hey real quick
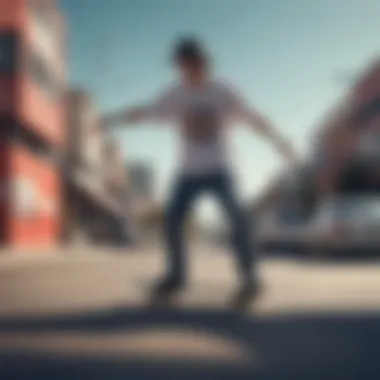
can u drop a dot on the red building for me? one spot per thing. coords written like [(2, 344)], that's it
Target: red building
[(32, 125)]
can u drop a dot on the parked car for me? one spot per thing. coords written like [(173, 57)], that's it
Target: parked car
[(349, 224), (282, 232)]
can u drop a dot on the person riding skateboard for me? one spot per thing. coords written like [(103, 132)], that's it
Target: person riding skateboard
[(203, 108)]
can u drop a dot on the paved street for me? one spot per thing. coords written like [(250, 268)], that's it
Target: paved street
[(83, 315)]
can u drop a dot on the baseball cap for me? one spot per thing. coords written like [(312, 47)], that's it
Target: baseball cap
[(189, 49)]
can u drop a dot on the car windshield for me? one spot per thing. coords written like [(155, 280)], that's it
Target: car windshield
[(353, 209)]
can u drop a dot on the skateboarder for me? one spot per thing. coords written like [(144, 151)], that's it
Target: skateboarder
[(202, 108)]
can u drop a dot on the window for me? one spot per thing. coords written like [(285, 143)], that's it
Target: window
[(368, 112), (44, 77), (8, 53), (369, 146), (356, 179)]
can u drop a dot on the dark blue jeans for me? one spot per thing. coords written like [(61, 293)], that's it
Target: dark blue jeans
[(186, 191)]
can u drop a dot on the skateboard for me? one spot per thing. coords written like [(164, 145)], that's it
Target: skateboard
[(240, 303)]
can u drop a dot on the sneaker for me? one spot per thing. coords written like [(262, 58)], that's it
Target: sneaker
[(247, 293), (167, 287)]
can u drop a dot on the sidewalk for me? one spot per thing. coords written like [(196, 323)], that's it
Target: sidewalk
[(19, 256)]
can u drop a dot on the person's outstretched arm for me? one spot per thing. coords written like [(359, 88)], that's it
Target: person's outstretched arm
[(159, 109), (264, 127), (127, 116), (261, 124)]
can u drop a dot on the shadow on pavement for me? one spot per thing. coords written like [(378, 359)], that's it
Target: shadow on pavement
[(289, 346)]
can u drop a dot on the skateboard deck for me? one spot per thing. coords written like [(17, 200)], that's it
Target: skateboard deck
[(179, 300)]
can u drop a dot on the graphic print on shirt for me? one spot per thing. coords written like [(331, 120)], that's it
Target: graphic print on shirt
[(202, 122)]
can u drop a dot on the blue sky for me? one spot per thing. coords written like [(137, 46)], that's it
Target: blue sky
[(284, 55)]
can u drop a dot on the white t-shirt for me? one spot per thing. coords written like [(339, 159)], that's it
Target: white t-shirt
[(202, 114)]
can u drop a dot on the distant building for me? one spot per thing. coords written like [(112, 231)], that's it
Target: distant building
[(85, 140), (346, 148), (345, 135), (118, 188), (141, 176), (146, 213), (94, 206), (116, 179)]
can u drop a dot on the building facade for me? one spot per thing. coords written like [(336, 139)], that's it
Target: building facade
[(348, 139), (94, 206), (118, 187), (346, 156), (142, 179), (32, 118)]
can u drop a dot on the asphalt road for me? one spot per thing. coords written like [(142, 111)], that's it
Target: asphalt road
[(84, 315)]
